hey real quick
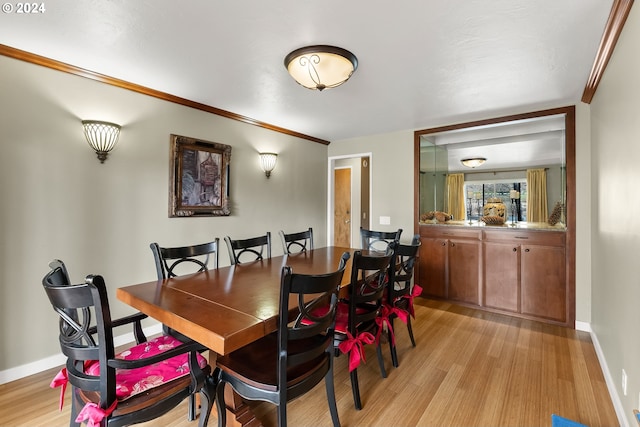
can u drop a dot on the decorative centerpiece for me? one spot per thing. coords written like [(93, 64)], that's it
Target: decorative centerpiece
[(494, 207)]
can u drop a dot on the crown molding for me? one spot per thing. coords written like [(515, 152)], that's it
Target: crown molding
[(72, 69), (618, 16)]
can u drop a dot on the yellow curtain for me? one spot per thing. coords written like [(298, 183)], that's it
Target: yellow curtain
[(455, 196), (537, 195)]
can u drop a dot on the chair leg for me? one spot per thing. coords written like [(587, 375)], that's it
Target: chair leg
[(191, 412), (331, 395), (413, 341), (220, 405), (282, 414), (392, 347), (207, 396), (383, 371), (355, 389), (74, 409)]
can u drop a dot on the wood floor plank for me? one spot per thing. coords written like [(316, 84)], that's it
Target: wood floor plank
[(470, 368)]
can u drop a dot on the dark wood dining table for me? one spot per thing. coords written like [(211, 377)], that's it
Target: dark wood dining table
[(230, 307)]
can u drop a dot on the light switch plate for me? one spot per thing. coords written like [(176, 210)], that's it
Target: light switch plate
[(385, 220)]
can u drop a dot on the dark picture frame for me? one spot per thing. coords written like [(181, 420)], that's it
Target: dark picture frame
[(199, 177)]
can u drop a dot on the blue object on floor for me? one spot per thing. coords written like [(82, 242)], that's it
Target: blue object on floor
[(558, 421)]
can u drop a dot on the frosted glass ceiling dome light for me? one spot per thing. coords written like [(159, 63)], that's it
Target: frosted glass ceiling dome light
[(321, 67), (268, 162), (473, 162), (101, 136)]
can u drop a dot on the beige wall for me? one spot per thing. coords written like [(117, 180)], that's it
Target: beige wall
[(58, 201), (615, 133), (391, 177)]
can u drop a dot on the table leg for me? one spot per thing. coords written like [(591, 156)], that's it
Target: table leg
[(239, 414)]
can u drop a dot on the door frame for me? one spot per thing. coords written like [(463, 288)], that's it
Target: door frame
[(355, 184)]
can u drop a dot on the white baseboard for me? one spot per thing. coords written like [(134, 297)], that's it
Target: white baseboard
[(611, 385), (59, 359)]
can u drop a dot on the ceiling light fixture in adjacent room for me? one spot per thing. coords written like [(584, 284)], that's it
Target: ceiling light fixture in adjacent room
[(473, 162), (321, 67)]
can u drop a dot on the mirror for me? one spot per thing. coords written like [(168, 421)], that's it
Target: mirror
[(515, 173)]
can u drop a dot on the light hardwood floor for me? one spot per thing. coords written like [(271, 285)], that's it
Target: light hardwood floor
[(470, 368)]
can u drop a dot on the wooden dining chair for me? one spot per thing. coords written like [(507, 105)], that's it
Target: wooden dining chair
[(297, 242), (174, 261), (378, 240), (136, 385), (253, 249), (398, 302), (357, 317), (293, 360)]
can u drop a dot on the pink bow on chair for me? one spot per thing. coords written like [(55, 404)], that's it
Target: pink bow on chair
[(386, 312), (355, 348), (94, 414), (416, 291), (60, 380)]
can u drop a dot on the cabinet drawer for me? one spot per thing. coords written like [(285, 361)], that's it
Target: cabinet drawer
[(526, 237), (449, 232)]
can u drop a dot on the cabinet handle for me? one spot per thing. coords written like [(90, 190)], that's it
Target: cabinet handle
[(444, 244), (515, 249), (526, 250), (522, 237), (452, 244)]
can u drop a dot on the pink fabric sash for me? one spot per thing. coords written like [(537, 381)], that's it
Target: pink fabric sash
[(94, 414), (383, 318), (355, 348), (60, 380), (416, 291)]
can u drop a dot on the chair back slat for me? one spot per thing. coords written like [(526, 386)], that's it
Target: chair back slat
[(252, 249), (301, 341), (368, 285), (401, 269), (297, 242), (174, 261), (378, 240)]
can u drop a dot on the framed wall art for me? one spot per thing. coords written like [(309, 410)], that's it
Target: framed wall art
[(199, 178)]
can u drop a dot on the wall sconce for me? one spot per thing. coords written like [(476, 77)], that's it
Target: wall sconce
[(268, 162), (101, 136)]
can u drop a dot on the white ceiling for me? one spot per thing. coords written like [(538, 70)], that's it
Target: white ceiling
[(422, 63)]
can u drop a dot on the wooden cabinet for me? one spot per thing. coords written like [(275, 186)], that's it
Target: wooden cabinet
[(501, 275), (449, 265), (512, 271), (525, 272), (432, 266)]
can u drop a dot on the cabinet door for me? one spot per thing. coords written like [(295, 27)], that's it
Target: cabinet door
[(543, 282), (501, 276), (464, 271), (433, 259)]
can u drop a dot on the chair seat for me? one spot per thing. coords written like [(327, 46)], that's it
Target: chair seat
[(342, 316), (130, 382), (256, 363)]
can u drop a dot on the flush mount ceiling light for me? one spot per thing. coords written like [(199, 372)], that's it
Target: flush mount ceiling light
[(321, 67), (473, 162), (101, 136)]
